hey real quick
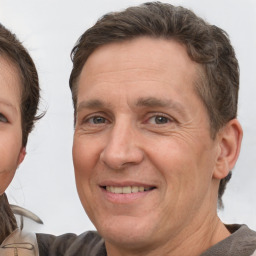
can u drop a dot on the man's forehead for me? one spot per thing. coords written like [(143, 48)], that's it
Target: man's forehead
[(150, 57), (105, 71), (127, 52)]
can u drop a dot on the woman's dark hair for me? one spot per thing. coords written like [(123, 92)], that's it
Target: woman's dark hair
[(12, 50)]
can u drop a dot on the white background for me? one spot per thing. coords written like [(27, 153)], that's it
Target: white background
[(44, 183)]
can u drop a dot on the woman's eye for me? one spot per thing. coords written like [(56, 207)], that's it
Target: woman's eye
[(97, 120), (3, 118), (159, 120)]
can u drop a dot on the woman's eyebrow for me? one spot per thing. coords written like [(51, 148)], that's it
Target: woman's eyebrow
[(8, 104)]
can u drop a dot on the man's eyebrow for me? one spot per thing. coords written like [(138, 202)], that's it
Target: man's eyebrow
[(152, 102), (90, 104)]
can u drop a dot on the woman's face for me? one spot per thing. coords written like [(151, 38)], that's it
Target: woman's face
[(12, 152)]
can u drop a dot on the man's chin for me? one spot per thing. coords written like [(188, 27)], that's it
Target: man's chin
[(127, 232), (127, 241)]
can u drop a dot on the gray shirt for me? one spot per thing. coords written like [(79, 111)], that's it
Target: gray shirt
[(241, 242)]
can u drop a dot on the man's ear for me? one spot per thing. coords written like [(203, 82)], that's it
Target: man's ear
[(229, 140), (22, 155)]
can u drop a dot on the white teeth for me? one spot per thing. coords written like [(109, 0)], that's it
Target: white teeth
[(135, 189), (126, 190), (116, 190), (141, 189)]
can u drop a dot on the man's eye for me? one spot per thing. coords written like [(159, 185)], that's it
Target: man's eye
[(159, 120), (3, 118), (97, 120)]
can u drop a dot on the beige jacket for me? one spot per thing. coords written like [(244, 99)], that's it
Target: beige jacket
[(19, 243)]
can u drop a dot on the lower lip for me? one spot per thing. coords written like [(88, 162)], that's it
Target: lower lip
[(125, 198)]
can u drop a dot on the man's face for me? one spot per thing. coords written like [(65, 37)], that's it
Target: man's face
[(143, 156)]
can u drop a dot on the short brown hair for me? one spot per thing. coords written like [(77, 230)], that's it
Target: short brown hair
[(206, 44)]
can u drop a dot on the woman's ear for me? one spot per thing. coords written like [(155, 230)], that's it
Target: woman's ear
[(22, 155), (229, 141)]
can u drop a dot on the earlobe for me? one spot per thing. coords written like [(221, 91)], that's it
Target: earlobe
[(230, 138), (22, 155)]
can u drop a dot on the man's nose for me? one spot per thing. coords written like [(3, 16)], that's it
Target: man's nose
[(122, 148)]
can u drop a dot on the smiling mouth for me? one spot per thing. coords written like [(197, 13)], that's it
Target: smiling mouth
[(127, 189)]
